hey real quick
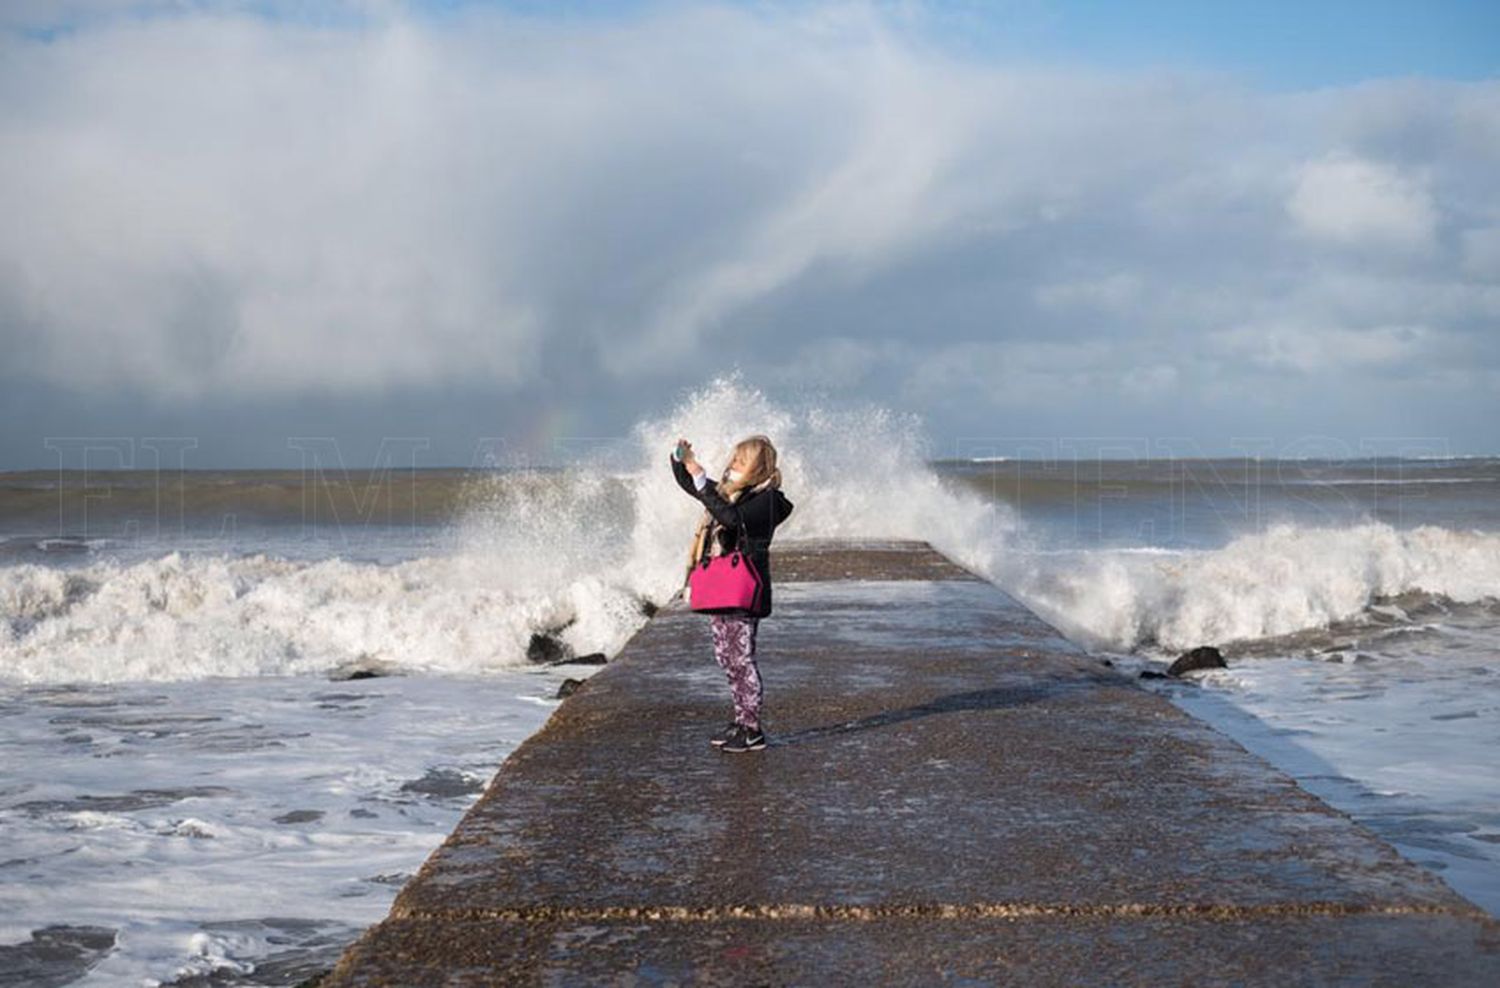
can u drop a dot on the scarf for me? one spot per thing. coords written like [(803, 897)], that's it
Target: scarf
[(708, 526)]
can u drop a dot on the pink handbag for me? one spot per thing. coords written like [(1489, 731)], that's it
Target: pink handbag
[(724, 583)]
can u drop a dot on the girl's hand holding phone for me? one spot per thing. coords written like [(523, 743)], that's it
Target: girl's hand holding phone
[(684, 453)]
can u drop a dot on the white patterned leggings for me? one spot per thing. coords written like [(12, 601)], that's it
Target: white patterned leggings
[(734, 648)]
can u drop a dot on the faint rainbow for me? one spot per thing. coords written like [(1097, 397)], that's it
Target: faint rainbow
[(554, 435)]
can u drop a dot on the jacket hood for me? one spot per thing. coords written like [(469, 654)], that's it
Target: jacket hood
[(781, 506)]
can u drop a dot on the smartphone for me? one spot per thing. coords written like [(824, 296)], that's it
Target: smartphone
[(677, 453)]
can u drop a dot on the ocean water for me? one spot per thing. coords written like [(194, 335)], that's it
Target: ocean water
[(186, 793)]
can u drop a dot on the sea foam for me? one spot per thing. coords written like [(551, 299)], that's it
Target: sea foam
[(1287, 578)]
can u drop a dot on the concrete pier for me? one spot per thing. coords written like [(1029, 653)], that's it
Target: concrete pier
[(952, 794)]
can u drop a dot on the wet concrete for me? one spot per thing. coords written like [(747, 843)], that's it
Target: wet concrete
[(952, 793)]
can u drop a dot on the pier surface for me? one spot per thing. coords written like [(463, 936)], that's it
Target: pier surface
[(952, 794)]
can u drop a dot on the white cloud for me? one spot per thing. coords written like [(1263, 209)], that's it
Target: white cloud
[(1110, 293), (1331, 349), (1017, 375), (214, 203), (66, 14), (201, 206), (1481, 254), (1348, 200)]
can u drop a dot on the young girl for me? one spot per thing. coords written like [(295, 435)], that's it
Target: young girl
[(749, 494)]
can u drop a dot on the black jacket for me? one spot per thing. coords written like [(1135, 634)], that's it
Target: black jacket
[(761, 512)]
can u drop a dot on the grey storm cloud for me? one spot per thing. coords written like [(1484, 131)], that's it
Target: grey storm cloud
[(208, 202)]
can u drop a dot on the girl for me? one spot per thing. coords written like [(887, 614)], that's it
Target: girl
[(749, 494)]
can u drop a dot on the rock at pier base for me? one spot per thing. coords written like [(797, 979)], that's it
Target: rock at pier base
[(1202, 657)]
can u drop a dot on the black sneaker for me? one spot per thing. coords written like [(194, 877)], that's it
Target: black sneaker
[(728, 732), (744, 739)]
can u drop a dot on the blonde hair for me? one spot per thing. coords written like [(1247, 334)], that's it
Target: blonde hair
[(762, 465), (763, 474)]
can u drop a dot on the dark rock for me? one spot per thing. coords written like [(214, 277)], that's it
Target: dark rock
[(1202, 657), (444, 783), (364, 667), (547, 645), (591, 659), (1152, 674), (1107, 662), (299, 816), (568, 687), (547, 648), (138, 799), (55, 955)]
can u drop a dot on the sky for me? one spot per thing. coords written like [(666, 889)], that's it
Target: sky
[(252, 223)]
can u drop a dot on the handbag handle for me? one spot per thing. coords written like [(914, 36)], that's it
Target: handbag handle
[(742, 537)]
